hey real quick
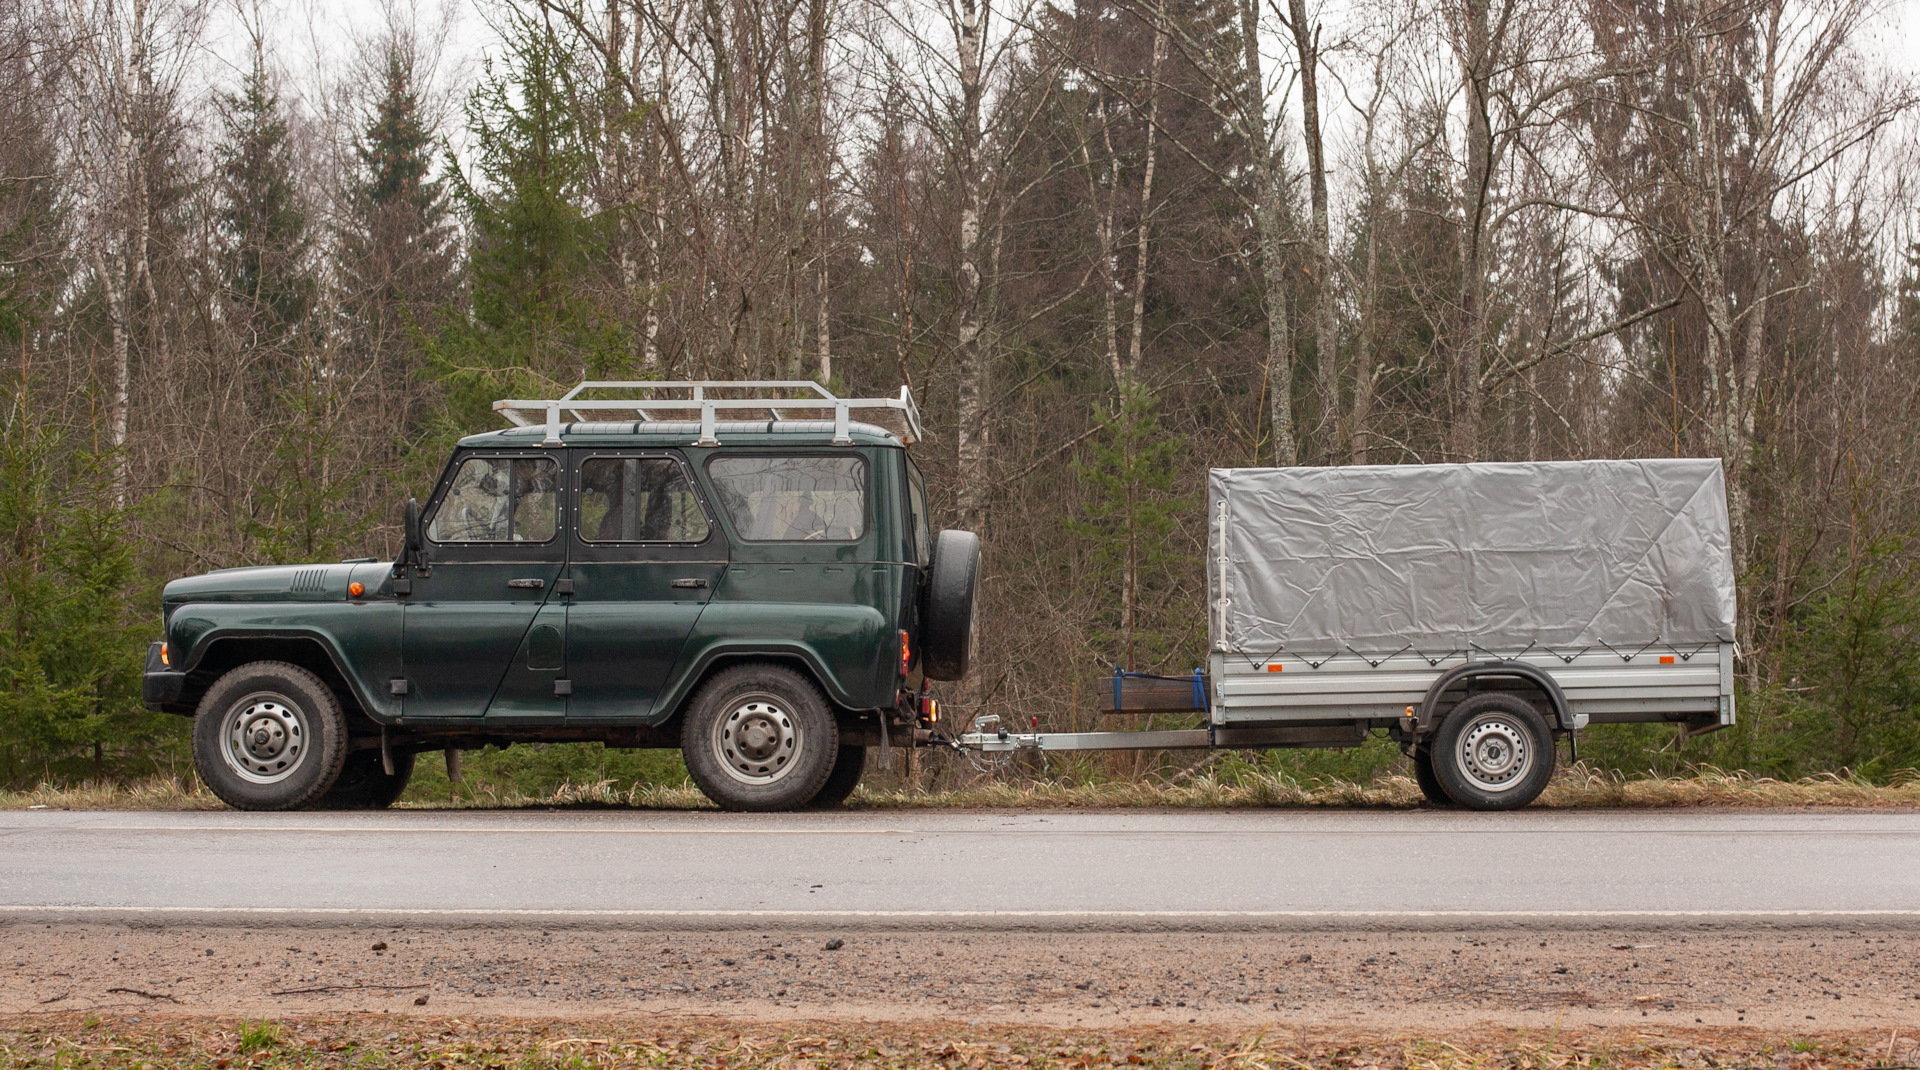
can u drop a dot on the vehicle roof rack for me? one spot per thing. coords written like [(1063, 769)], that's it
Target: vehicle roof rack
[(708, 397)]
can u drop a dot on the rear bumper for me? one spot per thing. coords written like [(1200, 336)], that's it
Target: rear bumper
[(160, 686)]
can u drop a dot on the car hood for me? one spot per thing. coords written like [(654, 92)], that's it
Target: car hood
[(264, 583)]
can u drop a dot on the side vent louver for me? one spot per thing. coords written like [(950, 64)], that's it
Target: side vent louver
[(309, 580)]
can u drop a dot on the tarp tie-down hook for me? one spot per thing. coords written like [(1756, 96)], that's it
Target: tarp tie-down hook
[(1312, 664), (1381, 661)]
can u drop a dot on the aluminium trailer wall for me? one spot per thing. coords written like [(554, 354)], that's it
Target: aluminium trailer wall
[(1343, 593)]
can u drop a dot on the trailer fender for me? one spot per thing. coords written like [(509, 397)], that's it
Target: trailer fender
[(1426, 719)]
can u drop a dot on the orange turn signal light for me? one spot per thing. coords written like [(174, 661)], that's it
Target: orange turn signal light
[(165, 657), (356, 589), (906, 653)]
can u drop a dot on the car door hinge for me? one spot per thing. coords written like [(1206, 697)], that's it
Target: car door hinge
[(562, 688), (402, 587), (562, 586), (396, 686)]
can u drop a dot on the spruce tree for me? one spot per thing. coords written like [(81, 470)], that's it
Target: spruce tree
[(263, 224)]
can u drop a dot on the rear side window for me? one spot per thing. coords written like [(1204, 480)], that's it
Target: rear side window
[(638, 499), (499, 499), (917, 502), (793, 499)]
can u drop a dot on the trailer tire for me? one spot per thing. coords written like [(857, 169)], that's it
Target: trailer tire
[(1493, 752), (269, 736), (759, 737), (847, 767), (364, 784), (1423, 774), (946, 632)]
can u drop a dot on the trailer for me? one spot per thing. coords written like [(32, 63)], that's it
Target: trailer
[(1475, 613)]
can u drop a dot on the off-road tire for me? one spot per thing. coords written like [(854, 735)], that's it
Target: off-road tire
[(363, 783), (1493, 752), (759, 737), (1423, 774), (847, 767), (301, 730), (946, 631)]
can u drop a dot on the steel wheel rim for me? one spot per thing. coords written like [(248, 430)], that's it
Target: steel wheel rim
[(1495, 753), (264, 738), (757, 741)]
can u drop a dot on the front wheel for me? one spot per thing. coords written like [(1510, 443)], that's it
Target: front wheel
[(1493, 752), (269, 736), (759, 737)]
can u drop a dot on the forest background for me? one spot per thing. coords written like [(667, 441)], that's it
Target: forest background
[(248, 303)]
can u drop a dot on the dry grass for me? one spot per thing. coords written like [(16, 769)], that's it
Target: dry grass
[(1577, 786), (379, 1042)]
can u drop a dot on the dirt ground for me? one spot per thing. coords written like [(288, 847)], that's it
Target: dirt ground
[(1777, 982)]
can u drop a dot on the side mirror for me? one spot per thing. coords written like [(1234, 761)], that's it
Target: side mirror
[(415, 548)]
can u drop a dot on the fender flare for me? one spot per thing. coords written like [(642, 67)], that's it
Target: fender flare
[(1563, 718), (671, 702), (207, 641)]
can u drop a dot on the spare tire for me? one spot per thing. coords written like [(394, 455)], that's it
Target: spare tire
[(946, 625)]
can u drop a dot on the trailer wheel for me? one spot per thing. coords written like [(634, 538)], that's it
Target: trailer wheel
[(1429, 783), (759, 737), (1493, 752), (946, 633), (364, 783), (847, 767), (269, 736)]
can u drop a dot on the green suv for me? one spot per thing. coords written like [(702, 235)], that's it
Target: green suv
[(763, 594)]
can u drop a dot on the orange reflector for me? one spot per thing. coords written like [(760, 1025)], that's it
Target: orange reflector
[(356, 589), (1666, 659), (1276, 667), (906, 653)]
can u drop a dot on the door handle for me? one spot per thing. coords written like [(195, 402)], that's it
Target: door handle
[(528, 584), (690, 581)]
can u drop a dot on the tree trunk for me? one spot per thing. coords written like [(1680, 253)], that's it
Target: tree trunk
[(1326, 355), (970, 438), (1470, 340), (1269, 218)]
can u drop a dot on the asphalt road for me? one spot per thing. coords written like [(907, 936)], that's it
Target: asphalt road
[(904, 869)]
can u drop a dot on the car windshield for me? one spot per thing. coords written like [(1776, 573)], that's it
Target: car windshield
[(793, 499)]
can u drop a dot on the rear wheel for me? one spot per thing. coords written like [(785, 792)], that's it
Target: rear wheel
[(269, 736), (1429, 783), (1493, 752), (759, 737), (847, 767), (364, 783)]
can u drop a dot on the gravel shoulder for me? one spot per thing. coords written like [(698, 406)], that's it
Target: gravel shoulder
[(1378, 983)]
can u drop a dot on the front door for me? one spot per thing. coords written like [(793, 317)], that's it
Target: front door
[(645, 560), (495, 551)]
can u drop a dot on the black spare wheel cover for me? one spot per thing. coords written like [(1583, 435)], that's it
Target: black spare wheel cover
[(946, 633)]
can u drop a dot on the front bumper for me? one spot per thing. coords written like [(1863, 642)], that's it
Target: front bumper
[(160, 686)]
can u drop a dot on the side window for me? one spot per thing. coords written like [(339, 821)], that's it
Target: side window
[(499, 499), (917, 503), (793, 499), (638, 499)]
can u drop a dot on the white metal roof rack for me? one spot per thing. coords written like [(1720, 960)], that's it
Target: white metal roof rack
[(708, 398)]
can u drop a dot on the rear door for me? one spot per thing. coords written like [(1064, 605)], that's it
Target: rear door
[(496, 550), (645, 558)]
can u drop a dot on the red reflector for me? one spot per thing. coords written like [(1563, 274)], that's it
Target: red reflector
[(1666, 659), (906, 654)]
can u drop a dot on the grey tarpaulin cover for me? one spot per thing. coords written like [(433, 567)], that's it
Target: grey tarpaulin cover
[(1563, 554)]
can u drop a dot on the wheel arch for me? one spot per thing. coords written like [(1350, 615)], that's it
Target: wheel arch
[(1530, 682), (220, 654), (719, 659)]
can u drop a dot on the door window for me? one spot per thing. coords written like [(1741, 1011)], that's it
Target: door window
[(499, 499), (638, 499), (793, 499), (917, 503)]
